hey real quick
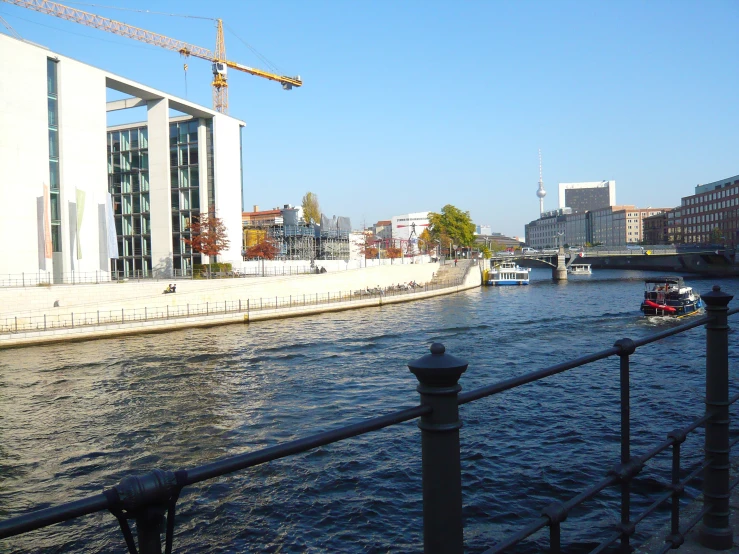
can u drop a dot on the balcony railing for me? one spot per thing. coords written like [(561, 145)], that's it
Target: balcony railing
[(150, 500)]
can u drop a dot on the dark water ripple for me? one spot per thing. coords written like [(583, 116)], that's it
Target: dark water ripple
[(75, 419)]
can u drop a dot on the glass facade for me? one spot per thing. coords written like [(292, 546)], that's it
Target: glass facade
[(128, 182), (185, 180), (53, 121)]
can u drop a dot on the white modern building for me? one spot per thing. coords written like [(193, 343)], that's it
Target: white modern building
[(407, 228), (81, 198), (583, 197)]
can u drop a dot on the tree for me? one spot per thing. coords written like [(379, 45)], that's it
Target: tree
[(495, 246), (425, 242), (264, 250), (366, 246), (311, 209), (454, 223), (394, 252), (209, 235), (717, 237)]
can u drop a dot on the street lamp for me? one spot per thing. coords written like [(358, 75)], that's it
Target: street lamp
[(438, 249), (559, 242)]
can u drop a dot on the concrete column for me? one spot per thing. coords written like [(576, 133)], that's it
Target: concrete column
[(559, 273), (159, 187)]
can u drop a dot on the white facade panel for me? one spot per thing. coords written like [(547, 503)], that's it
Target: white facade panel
[(227, 175), (24, 166), (82, 164), (159, 187), (409, 224)]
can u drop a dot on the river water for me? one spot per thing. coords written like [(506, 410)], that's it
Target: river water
[(75, 418)]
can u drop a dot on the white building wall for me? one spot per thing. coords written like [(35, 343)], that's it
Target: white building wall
[(24, 155), (160, 187), (227, 177), (83, 164), (403, 225), (24, 158)]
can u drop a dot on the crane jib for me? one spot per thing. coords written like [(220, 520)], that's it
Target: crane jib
[(123, 29)]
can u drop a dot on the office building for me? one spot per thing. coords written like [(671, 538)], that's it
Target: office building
[(582, 197), (82, 198), (711, 215)]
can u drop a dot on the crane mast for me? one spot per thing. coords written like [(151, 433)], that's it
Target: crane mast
[(218, 59)]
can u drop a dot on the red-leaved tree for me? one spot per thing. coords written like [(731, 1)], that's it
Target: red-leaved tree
[(208, 235), (264, 250)]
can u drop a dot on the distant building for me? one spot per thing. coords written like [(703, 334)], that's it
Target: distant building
[(505, 242), (293, 238), (261, 218), (483, 230), (407, 228), (712, 213), (383, 230), (656, 228), (582, 197), (609, 226)]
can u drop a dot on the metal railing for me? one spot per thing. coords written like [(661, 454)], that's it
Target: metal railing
[(150, 499), (48, 278), (74, 320)]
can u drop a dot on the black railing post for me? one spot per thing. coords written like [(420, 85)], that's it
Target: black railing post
[(438, 375), (626, 348), (715, 532), (145, 498)]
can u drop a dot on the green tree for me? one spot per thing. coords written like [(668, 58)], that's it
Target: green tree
[(311, 209), (425, 242), (454, 224), (485, 251), (717, 237), (496, 246)]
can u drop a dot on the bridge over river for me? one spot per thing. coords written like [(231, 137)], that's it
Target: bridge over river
[(706, 262)]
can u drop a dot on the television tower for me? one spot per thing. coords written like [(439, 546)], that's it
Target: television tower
[(541, 193)]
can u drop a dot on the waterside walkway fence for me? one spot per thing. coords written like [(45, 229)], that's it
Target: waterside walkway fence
[(252, 268), (247, 306), (150, 499), (47, 278)]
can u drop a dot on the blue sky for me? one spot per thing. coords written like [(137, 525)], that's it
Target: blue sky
[(411, 105)]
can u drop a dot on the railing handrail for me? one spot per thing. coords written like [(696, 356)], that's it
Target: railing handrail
[(552, 516)]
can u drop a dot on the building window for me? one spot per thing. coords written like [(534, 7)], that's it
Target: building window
[(128, 182), (52, 105)]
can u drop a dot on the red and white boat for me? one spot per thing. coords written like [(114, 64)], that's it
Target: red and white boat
[(669, 296)]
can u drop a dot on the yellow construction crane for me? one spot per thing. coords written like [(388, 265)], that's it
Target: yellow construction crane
[(220, 64)]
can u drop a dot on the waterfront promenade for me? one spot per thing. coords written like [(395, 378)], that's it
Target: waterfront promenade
[(39, 314)]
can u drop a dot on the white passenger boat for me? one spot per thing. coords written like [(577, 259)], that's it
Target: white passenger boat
[(507, 273), (579, 269)]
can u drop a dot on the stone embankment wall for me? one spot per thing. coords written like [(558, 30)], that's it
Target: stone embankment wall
[(137, 294), (227, 301)]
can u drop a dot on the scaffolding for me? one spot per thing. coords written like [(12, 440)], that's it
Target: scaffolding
[(296, 240)]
